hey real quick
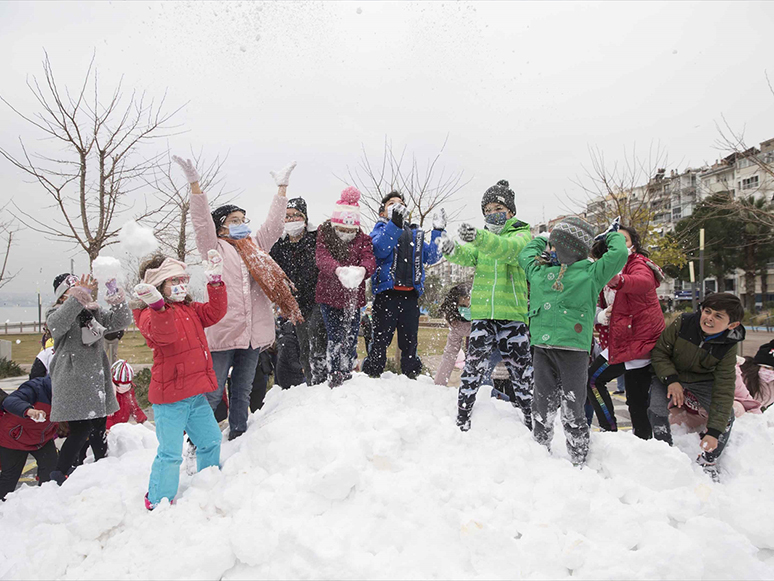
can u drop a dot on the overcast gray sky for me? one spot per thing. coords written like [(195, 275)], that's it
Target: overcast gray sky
[(522, 89)]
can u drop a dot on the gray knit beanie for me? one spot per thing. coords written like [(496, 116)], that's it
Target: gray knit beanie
[(572, 238)]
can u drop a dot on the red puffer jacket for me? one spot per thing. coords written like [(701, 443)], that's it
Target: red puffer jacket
[(636, 321), (182, 364), (19, 432)]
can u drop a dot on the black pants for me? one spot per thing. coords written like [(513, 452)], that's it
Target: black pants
[(12, 462), (395, 310), (637, 389), (82, 433)]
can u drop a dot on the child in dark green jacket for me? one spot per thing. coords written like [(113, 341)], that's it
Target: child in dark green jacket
[(564, 286), (695, 365)]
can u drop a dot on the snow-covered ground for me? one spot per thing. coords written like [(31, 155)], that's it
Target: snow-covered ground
[(374, 480)]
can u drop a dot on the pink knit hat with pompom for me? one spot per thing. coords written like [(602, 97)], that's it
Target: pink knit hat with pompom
[(346, 211)]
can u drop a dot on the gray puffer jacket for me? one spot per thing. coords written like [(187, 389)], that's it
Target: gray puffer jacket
[(81, 384)]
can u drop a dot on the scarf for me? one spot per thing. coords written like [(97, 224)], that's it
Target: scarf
[(339, 249), (269, 276)]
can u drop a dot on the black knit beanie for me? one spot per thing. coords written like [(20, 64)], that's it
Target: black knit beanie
[(60, 279), (219, 215), (300, 205), (765, 355), (501, 193)]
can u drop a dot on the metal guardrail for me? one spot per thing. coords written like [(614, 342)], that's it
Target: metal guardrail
[(19, 328)]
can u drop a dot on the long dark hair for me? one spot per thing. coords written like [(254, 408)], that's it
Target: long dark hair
[(750, 377), (451, 301), (636, 241)]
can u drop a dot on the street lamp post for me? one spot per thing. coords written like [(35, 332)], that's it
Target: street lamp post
[(701, 265), (693, 286)]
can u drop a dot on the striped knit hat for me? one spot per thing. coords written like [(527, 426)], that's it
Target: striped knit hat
[(572, 238), (123, 374), (347, 211)]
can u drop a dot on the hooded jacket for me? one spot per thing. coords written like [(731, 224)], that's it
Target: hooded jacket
[(298, 260), (19, 432), (683, 354), (500, 285)]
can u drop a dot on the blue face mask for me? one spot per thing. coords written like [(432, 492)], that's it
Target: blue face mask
[(496, 219), (554, 259), (238, 232), (464, 312)]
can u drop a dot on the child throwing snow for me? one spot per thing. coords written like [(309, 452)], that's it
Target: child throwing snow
[(498, 304), (694, 362), (345, 258), (564, 286), (123, 374), (173, 326)]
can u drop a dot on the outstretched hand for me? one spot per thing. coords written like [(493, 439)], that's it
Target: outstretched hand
[(614, 226), (439, 220), (467, 233), (188, 169), (282, 177), (446, 244), (213, 267)]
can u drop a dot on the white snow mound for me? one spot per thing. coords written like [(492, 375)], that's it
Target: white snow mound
[(374, 480)]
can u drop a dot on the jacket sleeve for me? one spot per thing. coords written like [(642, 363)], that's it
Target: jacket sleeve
[(215, 309), (464, 255), (742, 397), (62, 318), (19, 401), (367, 258), (274, 225), (431, 253), (325, 262), (722, 405), (611, 262), (638, 281), (116, 318), (204, 227), (505, 248), (384, 238), (158, 327), (534, 248), (661, 356)]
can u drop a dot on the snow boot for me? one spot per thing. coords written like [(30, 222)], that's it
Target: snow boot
[(463, 421), (148, 504), (234, 435), (709, 465), (58, 476), (347, 376), (337, 378)]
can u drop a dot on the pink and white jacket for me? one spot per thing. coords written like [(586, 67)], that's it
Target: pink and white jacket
[(249, 321)]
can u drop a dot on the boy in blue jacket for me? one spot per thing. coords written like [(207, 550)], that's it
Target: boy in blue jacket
[(401, 254)]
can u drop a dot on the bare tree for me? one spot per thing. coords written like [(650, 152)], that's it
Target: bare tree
[(7, 232), (97, 165), (173, 224), (426, 188)]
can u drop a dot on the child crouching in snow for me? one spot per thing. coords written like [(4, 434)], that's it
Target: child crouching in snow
[(182, 372), (123, 374), (564, 286)]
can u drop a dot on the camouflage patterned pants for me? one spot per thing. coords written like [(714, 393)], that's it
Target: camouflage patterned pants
[(511, 338)]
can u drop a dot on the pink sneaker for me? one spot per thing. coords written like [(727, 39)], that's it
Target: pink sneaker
[(148, 504)]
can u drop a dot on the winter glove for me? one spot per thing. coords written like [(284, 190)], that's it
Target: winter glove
[(614, 226), (446, 244), (188, 169), (150, 295), (213, 268), (603, 317), (467, 233), (116, 296), (83, 296), (396, 213), (439, 220), (282, 177)]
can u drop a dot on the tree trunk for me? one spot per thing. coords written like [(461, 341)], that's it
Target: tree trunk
[(764, 284)]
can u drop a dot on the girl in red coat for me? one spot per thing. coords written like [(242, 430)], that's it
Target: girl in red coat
[(123, 374), (173, 326), (631, 313), (345, 257)]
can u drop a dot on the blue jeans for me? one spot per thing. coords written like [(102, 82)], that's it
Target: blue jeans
[(194, 416), (244, 362), (341, 325)]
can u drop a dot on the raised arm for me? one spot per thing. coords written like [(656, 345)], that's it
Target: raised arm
[(272, 228), (62, 318), (503, 248), (611, 262), (527, 256), (215, 309), (464, 254), (431, 253)]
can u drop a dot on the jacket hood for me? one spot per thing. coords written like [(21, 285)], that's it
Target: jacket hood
[(729, 336), (657, 272)]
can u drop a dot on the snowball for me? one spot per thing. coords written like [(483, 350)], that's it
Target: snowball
[(105, 268), (18, 341), (351, 276), (137, 240)]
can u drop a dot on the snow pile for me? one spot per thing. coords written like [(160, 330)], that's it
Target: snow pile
[(137, 240), (374, 480), (105, 268)]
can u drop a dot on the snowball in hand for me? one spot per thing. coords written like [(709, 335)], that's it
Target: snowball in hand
[(282, 177), (137, 240), (105, 268), (351, 276)]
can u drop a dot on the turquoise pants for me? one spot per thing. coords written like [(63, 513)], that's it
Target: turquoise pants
[(193, 416)]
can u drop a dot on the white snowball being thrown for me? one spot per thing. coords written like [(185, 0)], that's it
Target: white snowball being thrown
[(137, 240), (105, 268)]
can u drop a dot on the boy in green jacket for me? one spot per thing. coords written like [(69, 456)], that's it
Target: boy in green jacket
[(695, 366), (564, 287), (498, 301)]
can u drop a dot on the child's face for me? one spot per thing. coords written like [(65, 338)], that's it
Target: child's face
[(627, 238), (175, 281), (464, 302), (496, 207), (713, 322)]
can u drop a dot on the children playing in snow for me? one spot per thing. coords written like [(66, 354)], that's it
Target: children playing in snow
[(694, 362), (564, 286), (173, 326), (498, 306), (345, 258)]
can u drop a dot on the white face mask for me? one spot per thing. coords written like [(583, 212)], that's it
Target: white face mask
[(294, 228), (766, 374), (346, 235), (178, 293), (630, 249)]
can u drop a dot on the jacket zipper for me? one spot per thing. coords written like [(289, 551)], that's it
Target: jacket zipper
[(494, 286), (513, 288)]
